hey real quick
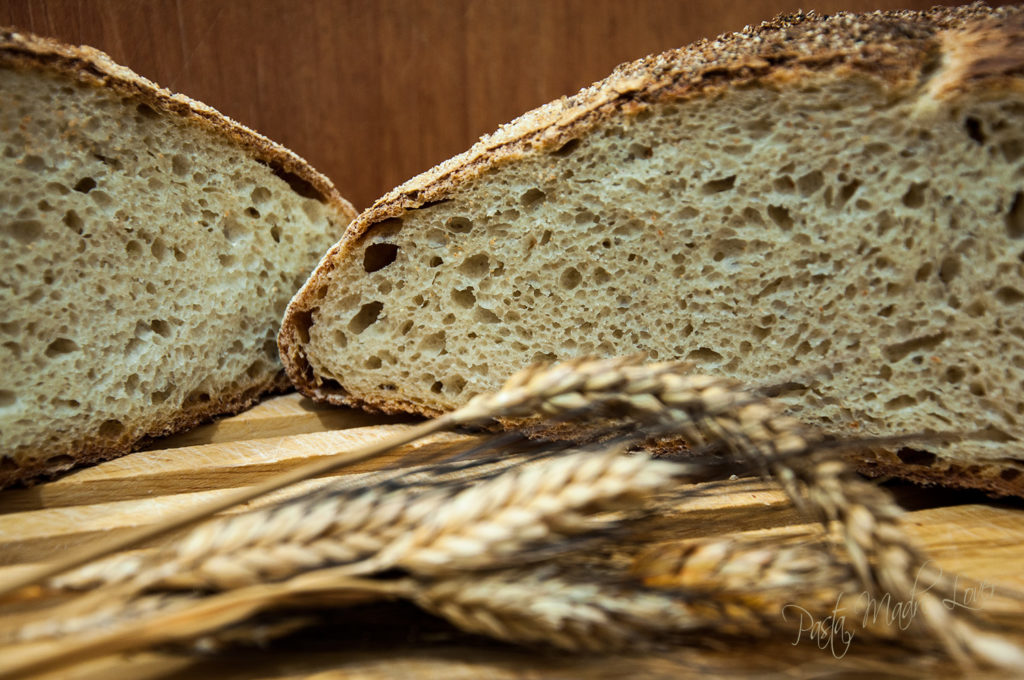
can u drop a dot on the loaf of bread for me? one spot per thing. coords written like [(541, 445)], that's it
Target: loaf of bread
[(150, 246), (832, 205)]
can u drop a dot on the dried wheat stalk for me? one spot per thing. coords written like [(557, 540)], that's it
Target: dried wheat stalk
[(444, 534)]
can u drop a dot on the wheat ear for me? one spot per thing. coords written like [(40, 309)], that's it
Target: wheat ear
[(163, 619), (548, 605), (657, 390), (888, 564), (789, 568)]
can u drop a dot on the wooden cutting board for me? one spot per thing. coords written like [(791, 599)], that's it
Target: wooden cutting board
[(964, 532)]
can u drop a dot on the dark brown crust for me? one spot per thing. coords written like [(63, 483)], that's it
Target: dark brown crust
[(87, 65), (899, 48), (997, 480)]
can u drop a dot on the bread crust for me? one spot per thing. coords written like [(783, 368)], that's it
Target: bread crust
[(950, 51), (96, 448), (89, 65), (19, 50)]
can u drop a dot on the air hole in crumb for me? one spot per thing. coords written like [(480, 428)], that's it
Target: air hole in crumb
[(784, 185), (111, 428), (146, 111), (900, 402), (532, 197), (435, 261), (1008, 295), (260, 195), (373, 363), (160, 396), (300, 186), (810, 183), (73, 221), (464, 298), (7, 398), (637, 150), (717, 186), (476, 266), (780, 216), (949, 269), (379, 255), (484, 315), (566, 148), (973, 127), (570, 278), (275, 233), (455, 385), (954, 374), (33, 163), (161, 328), (704, 354), (914, 198), (1010, 474), (915, 457), (61, 346), (900, 350), (366, 317), (459, 225), (437, 387), (180, 165), (233, 231), (252, 212), (1015, 217), (85, 185), (24, 231), (433, 343)]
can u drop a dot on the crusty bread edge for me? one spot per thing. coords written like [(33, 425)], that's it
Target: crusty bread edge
[(89, 65), (96, 449), (85, 64), (905, 48)]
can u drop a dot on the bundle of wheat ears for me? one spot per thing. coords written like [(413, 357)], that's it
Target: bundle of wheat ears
[(531, 541)]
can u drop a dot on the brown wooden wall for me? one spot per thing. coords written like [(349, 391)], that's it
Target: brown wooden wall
[(373, 92)]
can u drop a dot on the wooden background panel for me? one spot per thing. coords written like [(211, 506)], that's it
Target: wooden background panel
[(372, 93)]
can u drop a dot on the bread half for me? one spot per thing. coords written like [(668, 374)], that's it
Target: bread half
[(150, 246), (830, 203)]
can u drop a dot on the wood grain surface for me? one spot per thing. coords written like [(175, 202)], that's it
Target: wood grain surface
[(963, 532), (374, 92)]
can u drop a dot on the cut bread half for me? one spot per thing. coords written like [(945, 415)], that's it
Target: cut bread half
[(150, 248), (835, 203)]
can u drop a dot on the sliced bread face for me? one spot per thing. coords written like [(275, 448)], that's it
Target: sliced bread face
[(833, 204), (150, 248)]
